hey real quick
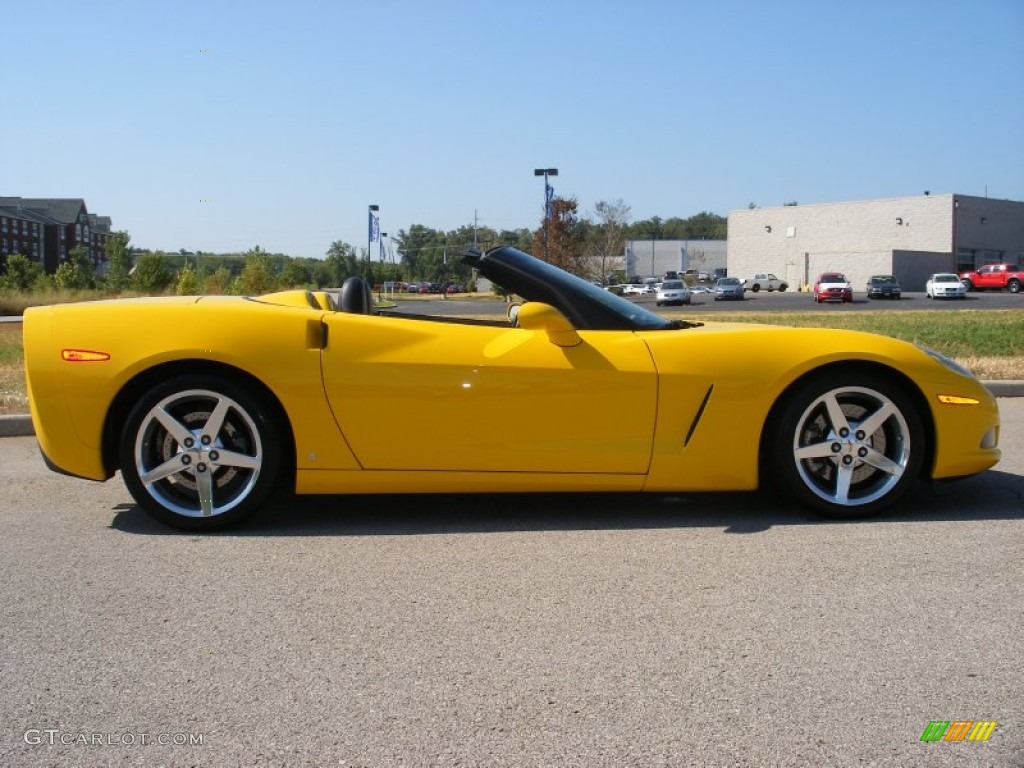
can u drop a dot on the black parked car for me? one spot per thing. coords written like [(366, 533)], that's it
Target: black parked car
[(883, 287)]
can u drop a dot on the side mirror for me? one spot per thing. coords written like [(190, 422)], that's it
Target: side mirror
[(537, 316)]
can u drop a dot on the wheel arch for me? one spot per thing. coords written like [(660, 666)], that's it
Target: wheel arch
[(122, 403), (855, 368)]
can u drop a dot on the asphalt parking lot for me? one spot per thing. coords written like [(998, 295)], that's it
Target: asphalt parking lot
[(725, 629), (762, 301)]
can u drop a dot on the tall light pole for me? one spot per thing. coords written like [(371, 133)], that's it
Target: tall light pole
[(373, 230), (548, 195)]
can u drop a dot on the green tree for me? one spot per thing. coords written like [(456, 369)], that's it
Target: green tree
[(77, 272), (701, 226), (119, 262), (152, 274), (188, 281), (20, 273), (341, 262), (708, 226), (218, 282), (295, 274), (258, 276)]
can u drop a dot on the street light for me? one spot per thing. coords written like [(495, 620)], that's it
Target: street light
[(374, 229), (548, 194)]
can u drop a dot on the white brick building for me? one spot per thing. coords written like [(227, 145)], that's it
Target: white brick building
[(909, 237), (653, 258)]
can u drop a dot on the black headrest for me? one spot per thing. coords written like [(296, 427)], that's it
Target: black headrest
[(356, 296)]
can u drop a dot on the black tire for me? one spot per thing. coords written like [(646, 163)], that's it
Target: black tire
[(783, 287), (201, 427), (968, 285), (1013, 286), (755, 287), (822, 457)]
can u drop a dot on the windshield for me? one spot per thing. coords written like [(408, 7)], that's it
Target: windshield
[(635, 314), (672, 285), (729, 281), (947, 279), (588, 307)]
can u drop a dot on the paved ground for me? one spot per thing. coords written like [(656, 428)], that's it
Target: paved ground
[(541, 631), (762, 301)]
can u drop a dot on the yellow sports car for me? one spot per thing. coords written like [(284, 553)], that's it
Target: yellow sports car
[(208, 404)]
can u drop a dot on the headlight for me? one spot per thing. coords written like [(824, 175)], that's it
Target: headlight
[(953, 365)]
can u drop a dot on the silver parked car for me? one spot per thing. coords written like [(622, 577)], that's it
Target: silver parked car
[(729, 288), (672, 292)]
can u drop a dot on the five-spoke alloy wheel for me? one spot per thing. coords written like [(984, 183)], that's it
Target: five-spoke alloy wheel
[(849, 449), (199, 453)]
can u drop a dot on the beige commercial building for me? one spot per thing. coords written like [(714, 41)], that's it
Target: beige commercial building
[(909, 237)]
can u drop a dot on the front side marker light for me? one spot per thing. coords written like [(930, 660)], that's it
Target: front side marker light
[(958, 400), (83, 356)]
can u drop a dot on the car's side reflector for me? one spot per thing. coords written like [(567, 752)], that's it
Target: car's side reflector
[(957, 400), (83, 356)]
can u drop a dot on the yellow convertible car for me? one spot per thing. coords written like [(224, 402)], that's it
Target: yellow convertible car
[(208, 404)]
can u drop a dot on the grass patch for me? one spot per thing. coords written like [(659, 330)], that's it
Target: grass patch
[(13, 398), (958, 334)]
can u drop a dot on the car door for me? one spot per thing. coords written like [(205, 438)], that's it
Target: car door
[(988, 277), (419, 394)]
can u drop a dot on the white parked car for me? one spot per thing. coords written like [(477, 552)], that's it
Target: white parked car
[(945, 285), (634, 290), (672, 292)]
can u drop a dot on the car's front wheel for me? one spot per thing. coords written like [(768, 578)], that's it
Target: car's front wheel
[(200, 452), (848, 446)]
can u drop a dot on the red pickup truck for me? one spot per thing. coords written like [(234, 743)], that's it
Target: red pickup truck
[(994, 277)]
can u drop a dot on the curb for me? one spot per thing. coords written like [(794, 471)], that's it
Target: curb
[(1007, 388), (20, 425)]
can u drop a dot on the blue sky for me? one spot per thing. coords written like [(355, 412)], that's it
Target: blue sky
[(223, 125)]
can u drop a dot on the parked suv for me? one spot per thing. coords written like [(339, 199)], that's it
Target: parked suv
[(832, 286)]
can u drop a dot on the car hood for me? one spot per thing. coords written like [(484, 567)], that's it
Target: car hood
[(776, 355)]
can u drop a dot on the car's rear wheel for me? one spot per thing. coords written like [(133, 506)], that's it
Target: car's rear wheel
[(200, 452), (1013, 286), (848, 446)]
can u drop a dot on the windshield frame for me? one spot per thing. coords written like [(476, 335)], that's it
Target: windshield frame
[(587, 306)]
